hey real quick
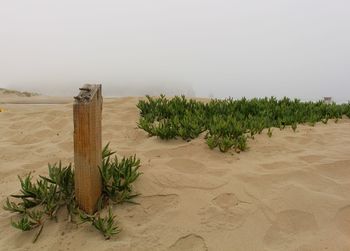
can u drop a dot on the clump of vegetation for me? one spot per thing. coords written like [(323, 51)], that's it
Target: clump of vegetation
[(41, 200), (269, 132), (229, 123), (118, 177)]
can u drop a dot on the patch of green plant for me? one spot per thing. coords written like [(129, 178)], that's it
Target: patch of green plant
[(118, 176), (40, 200), (229, 122), (241, 143), (106, 225), (212, 141), (225, 143), (269, 132)]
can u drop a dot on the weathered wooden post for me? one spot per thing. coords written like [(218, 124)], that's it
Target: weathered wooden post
[(87, 113)]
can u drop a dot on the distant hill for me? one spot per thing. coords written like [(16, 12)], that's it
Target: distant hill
[(17, 93), (112, 90)]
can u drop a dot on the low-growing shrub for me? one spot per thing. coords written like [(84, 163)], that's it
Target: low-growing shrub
[(229, 122), (40, 200)]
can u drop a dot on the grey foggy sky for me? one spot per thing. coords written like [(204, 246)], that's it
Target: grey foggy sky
[(296, 48)]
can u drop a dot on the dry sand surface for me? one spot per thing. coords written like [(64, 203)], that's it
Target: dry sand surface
[(288, 192)]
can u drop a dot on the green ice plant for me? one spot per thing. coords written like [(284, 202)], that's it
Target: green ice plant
[(325, 120), (241, 143), (212, 141), (269, 132), (106, 225), (118, 176), (29, 221), (227, 123), (225, 143), (39, 201)]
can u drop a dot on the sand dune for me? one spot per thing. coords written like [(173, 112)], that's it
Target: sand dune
[(16, 97), (288, 192)]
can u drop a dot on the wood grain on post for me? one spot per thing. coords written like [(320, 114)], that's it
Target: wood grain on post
[(87, 116)]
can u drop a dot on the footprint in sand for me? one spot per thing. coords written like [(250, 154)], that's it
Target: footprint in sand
[(343, 220), (226, 200), (189, 174), (186, 165), (149, 207), (191, 242), (228, 213), (288, 225), (157, 203)]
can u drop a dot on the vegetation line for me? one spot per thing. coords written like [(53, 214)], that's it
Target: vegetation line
[(229, 123)]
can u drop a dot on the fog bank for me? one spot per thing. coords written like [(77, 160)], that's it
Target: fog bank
[(220, 48)]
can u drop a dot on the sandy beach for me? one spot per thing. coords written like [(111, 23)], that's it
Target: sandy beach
[(287, 192)]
